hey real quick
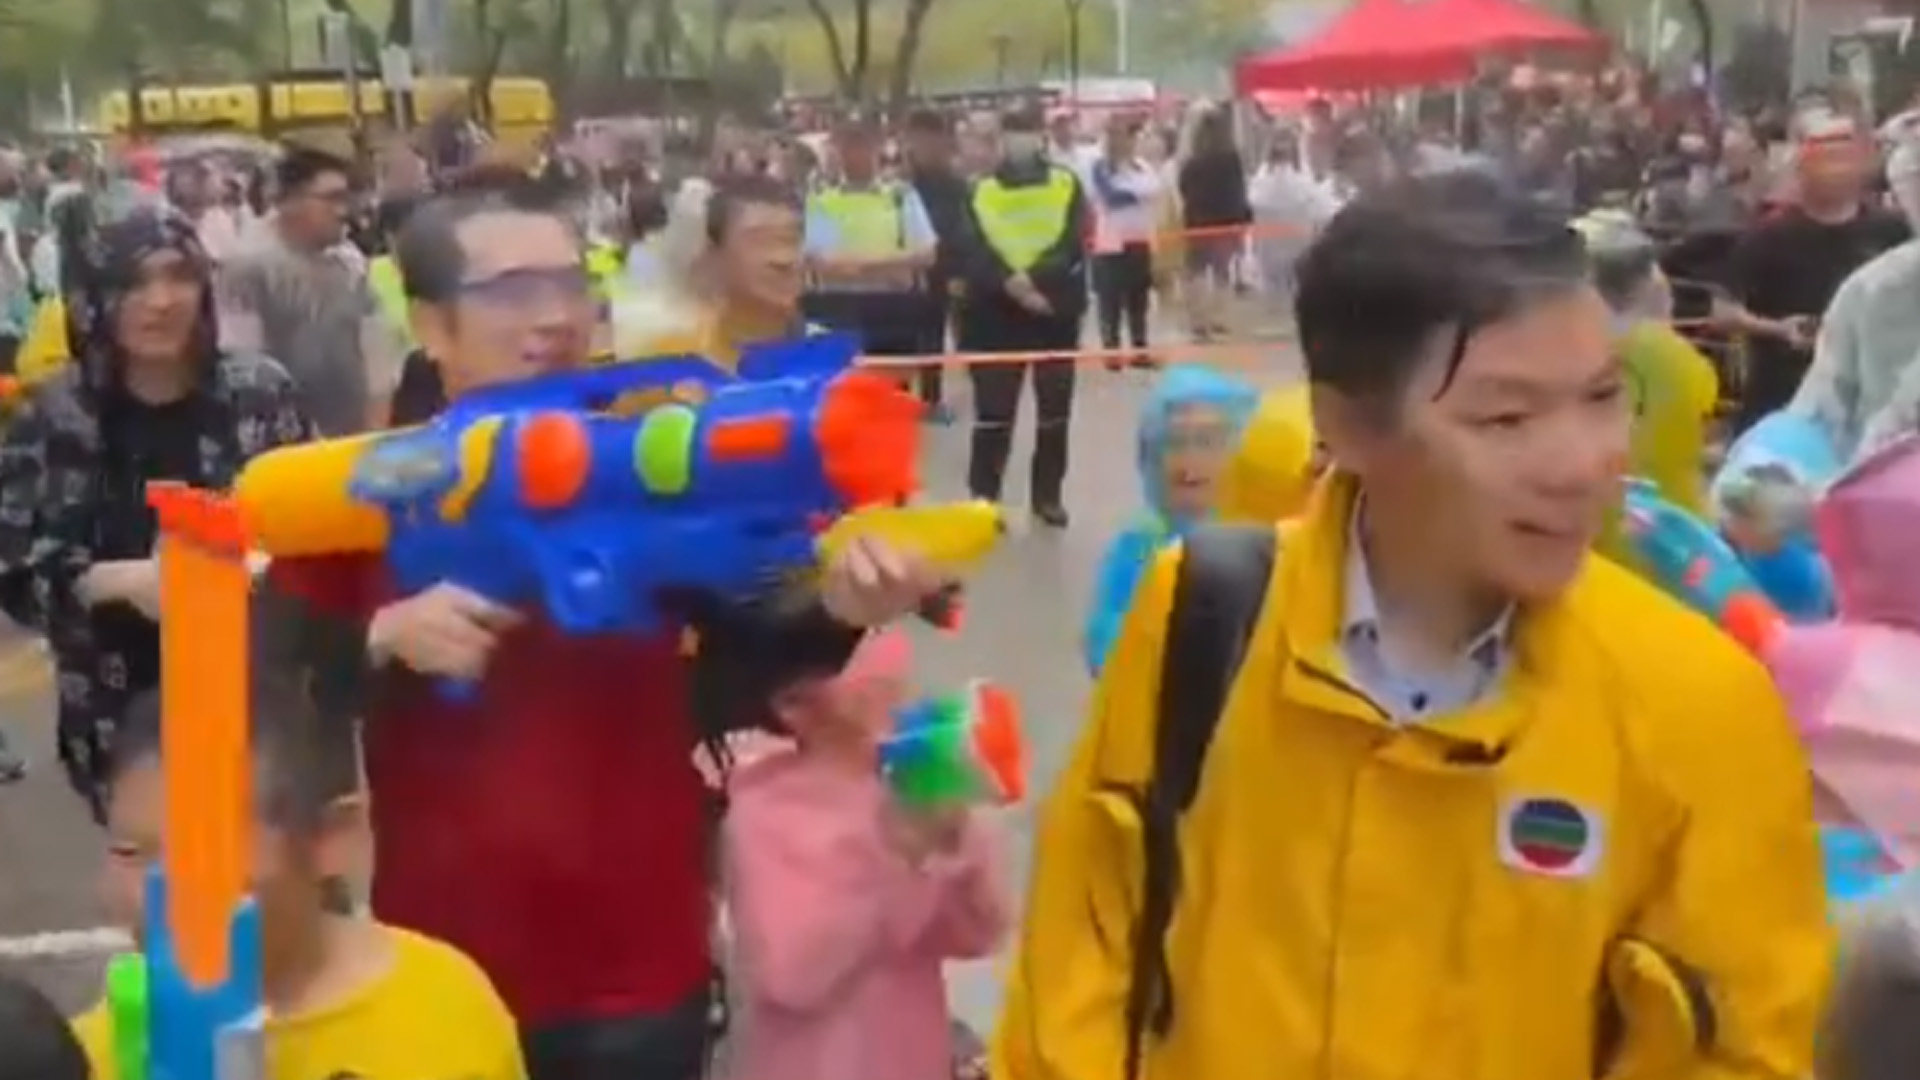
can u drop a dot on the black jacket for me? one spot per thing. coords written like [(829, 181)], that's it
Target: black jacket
[(1060, 274), (945, 194)]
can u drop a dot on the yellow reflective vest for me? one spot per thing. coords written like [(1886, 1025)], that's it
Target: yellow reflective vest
[(1623, 828), (1022, 223), (390, 294), (868, 223)]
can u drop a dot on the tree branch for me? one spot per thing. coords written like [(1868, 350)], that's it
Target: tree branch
[(906, 55), (862, 47), (836, 52)]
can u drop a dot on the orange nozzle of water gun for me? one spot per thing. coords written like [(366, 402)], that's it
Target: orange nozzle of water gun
[(998, 741), (1752, 621), (868, 432)]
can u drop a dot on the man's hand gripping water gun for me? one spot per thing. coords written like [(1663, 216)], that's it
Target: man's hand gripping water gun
[(548, 493)]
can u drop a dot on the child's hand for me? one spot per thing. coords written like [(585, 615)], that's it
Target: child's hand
[(917, 835)]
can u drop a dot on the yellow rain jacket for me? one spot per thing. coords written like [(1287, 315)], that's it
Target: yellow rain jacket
[(1622, 832), (1675, 391), (45, 349)]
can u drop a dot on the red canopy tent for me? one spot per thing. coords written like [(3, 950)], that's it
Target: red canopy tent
[(1348, 55), (1384, 44)]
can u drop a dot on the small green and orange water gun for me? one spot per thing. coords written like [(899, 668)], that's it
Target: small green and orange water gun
[(957, 749)]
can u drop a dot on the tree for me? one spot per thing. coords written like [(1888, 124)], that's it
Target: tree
[(907, 53), (667, 39), (619, 16), (361, 36), (1703, 23), (849, 70), (495, 24)]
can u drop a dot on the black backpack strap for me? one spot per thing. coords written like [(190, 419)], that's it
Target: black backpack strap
[(1218, 592)]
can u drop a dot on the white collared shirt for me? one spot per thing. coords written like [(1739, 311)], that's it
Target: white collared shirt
[(1411, 697)]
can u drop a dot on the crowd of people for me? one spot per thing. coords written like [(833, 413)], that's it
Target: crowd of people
[(1413, 783)]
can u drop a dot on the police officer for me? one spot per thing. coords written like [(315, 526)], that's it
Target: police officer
[(868, 247), (1025, 291)]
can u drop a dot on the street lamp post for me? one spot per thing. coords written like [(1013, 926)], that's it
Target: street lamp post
[(1001, 43), (1073, 45)]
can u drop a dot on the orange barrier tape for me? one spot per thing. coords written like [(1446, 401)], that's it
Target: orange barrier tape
[(1181, 351)]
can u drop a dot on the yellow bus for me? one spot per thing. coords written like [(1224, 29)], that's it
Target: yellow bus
[(522, 109)]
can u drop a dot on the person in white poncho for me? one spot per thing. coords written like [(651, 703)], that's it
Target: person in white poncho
[(1289, 206)]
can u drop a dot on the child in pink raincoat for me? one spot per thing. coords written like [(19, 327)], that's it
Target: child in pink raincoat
[(844, 905)]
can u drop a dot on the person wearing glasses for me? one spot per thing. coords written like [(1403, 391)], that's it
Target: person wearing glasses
[(554, 828), (299, 292)]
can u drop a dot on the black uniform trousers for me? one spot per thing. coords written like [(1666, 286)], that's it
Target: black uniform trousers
[(996, 402), (1123, 290)]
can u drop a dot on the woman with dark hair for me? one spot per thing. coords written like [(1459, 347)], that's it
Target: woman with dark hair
[(149, 396), (1214, 213)]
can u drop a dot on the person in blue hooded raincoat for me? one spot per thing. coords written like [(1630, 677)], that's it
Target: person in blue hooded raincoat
[(1189, 432)]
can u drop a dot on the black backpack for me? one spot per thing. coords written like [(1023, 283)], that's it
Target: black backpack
[(1217, 596)]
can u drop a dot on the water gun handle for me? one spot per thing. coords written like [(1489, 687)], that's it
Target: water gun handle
[(128, 1005)]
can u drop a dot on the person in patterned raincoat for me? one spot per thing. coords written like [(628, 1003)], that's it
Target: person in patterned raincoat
[(149, 397)]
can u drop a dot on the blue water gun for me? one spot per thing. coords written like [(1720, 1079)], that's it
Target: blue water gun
[(1687, 558), (587, 493)]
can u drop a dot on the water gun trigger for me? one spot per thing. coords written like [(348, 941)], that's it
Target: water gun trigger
[(944, 609)]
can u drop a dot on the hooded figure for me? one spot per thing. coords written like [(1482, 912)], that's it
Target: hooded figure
[(76, 460), (1190, 431)]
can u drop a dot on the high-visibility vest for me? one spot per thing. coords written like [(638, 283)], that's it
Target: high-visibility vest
[(603, 265), (869, 222), (1023, 223), (390, 296)]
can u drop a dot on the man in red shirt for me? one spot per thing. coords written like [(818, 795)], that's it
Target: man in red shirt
[(555, 828)]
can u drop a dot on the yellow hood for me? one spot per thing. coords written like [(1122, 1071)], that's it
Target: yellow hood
[(1271, 475)]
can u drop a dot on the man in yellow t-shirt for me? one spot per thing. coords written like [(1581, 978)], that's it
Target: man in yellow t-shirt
[(345, 996)]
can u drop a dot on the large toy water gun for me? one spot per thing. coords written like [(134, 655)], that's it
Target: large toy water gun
[(957, 749), (188, 1006), (589, 492), (1687, 558)]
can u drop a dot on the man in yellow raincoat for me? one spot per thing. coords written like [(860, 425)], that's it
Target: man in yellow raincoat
[(1479, 805)]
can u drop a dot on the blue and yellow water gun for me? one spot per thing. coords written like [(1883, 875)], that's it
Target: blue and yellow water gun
[(588, 493)]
